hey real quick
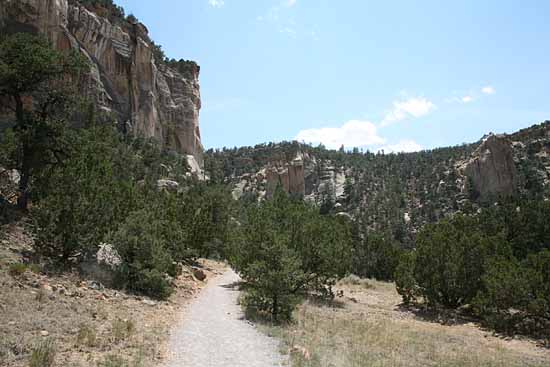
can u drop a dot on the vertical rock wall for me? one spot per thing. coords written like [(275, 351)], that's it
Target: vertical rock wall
[(149, 98)]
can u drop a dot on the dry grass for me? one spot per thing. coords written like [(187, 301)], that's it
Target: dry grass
[(88, 326), (371, 330)]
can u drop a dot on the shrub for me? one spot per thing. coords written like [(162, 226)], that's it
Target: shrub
[(85, 198), (17, 269), (450, 260), (516, 295), (405, 282), (142, 243), (285, 249), (375, 256), (87, 336), (43, 354), (122, 329)]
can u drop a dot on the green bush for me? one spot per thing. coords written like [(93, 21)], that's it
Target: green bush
[(86, 197), (285, 249), (451, 258), (405, 282), (375, 256), (516, 295), (17, 269), (142, 242)]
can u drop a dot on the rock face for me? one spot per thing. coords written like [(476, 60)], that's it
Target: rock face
[(149, 98), (303, 176), (290, 176), (491, 169)]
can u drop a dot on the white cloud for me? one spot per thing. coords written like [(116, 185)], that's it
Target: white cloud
[(290, 3), (291, 32), (354, 133), (488, 90), (412, 107), (467, 99), (216, 3), (403, 146)]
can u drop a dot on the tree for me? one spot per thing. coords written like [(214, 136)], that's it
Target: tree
[(285, 249), (451, 258), (34, 81)]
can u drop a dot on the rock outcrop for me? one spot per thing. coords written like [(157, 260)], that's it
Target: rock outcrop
[(147, 97), (491, 169), (304, 176)]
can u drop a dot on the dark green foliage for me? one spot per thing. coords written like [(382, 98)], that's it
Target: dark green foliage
[(35, 84), (405, 283), (86, 197), (376, 257), (285, 249), (497, 261), (450, 260), (517, 294), (204, 214), (143, 242)]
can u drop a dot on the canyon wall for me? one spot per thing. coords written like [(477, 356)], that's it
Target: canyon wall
[(147, 97)]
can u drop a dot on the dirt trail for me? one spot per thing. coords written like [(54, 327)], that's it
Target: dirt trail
[(214, 332)]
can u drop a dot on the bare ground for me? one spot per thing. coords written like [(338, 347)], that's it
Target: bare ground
[(86, 322), (214, 333)]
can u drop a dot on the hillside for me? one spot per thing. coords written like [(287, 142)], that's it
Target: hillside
[(395, 193)]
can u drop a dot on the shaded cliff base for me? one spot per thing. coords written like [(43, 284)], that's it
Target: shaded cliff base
[(86, 322)]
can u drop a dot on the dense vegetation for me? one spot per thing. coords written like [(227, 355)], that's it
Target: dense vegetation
[(444, 246), (85, 185), (285, 249), (497, 263), (89, 184)]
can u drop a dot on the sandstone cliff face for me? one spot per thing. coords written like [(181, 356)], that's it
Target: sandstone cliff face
[(492, 169), (304, 176), (150, 99)]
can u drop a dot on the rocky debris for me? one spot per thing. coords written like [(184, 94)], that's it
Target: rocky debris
[(491, 169), (150, 98), (44, 333)]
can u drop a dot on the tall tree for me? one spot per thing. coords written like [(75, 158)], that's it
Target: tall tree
[(34, 87)]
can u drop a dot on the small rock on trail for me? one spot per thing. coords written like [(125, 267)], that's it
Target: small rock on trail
[(214, 333)]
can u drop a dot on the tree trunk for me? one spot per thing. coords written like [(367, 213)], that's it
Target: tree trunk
[(23, 199), (25, 172)]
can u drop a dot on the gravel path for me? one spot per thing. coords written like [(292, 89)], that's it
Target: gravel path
[(213, 332)]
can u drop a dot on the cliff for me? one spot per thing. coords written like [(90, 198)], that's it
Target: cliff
[(492, 169), (147, 97)]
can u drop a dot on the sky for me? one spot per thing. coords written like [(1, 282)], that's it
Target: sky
[(392, 75)]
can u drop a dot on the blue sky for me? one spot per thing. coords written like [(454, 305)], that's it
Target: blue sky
[(398, 75)]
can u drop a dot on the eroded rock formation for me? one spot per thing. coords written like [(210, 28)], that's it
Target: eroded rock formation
[(148, 97), (491, 169)]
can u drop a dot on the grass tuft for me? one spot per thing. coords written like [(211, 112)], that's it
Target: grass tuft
[(43, 354), (122, 330), (17, 269)]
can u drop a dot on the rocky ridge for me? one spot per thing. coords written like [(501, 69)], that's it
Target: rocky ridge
[(147, 97), (404, 191)]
